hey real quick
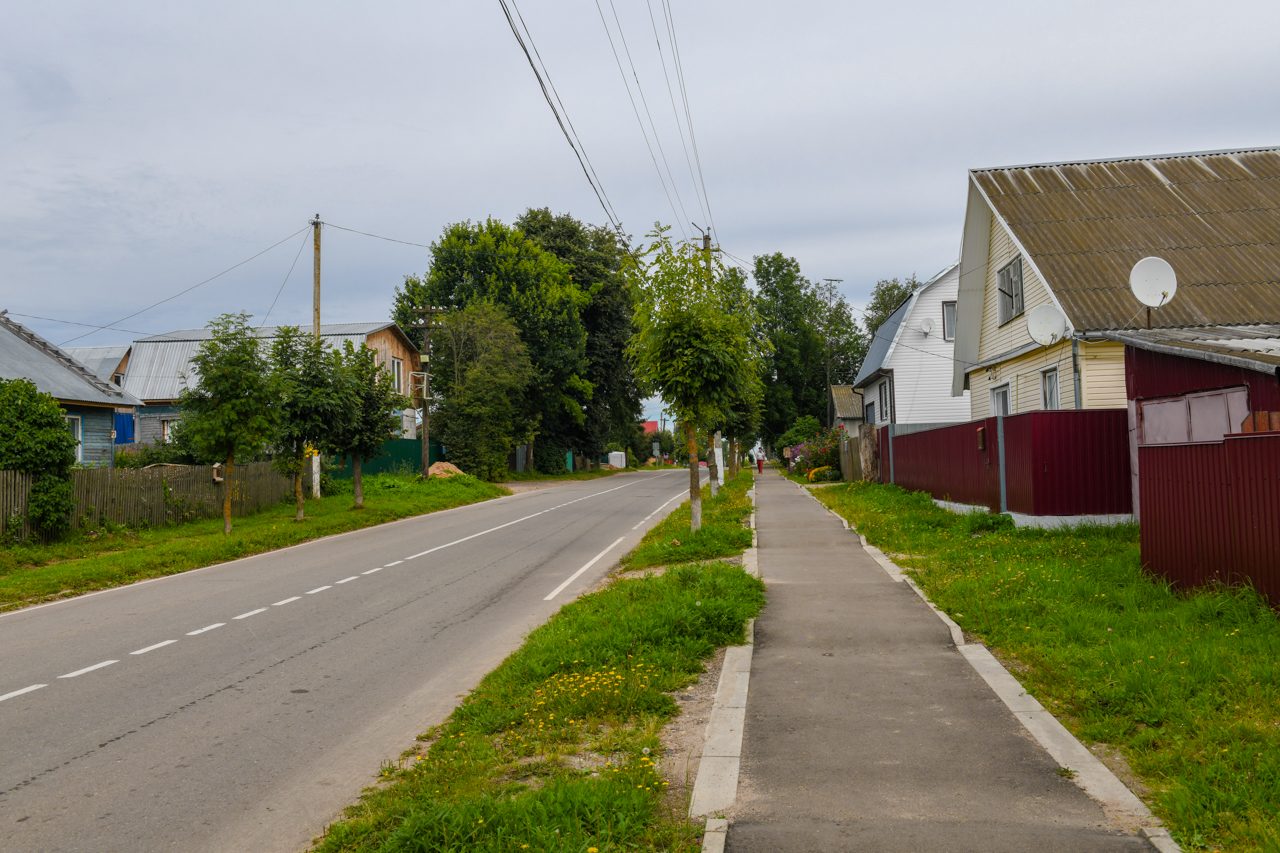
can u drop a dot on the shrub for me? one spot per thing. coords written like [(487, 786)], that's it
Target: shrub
[(34, 440)]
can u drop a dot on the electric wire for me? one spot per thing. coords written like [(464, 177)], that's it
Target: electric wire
[(187, 290), (688, 115), (283, 283), (675, 112), (74, 323)]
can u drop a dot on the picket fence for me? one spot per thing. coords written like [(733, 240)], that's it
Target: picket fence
[(155, 496)]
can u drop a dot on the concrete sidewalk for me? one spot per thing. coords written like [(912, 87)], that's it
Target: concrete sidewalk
[(867, 731)]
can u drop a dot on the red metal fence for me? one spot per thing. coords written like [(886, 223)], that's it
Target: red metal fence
[(1211, 511), (958, 463)]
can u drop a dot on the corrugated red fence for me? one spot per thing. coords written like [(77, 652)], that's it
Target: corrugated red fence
[(958, 463), (1211, 511)]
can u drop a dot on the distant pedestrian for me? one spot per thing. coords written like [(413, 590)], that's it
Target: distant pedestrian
[(760, 463)]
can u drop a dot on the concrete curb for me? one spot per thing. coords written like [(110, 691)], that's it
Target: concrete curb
[(1090, 774)]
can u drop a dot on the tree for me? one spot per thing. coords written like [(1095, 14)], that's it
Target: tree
[(311, 404), (485, 369), (367, 393), (886, 297), (232, 409), (692, 343), (34, 440)]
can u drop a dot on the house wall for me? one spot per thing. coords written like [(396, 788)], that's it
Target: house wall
[(1102, 375), (388, 345), (147, 422), (995, 338), (1153, 374), (96, 423), (1023, 376), (921, 364)]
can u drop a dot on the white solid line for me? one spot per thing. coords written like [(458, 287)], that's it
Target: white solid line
[(396, 563), (250, 613), (286, 601), (153, 648), (23, 690), (89, 669), (317, 589), (659, 509), (371, 571), (573, 577), (206, 628), (352, 578)]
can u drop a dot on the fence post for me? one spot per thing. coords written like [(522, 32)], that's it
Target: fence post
[(1004, 497), (892, 479)]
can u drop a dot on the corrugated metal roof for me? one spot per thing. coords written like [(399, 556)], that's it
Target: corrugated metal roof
[(1214, 216), (327, 330), (1255, 347), (848, 403), (102, 361), (26, 355), (882, 343)]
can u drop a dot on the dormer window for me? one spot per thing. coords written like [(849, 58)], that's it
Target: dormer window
[(1009, 282)]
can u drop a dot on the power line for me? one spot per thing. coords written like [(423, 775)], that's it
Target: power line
[(547, 95), (674, 112), (74, 323), (688, 115), (187, 290), (283, 283)]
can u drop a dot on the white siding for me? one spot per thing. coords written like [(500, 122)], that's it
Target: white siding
[(921, 364)]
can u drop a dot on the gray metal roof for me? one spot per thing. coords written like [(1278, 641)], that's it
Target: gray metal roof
[(26, 355), (1255, 347), (848, 403), (103, 361), (882, 342), (160, 366)]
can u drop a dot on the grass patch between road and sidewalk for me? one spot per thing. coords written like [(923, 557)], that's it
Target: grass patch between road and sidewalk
[(1185, 685), (567, 476), (722, 534), (34, 573)]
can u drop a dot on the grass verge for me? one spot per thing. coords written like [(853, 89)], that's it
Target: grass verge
[(1186, 686), (555, 749), (722, 533), (32, 574)]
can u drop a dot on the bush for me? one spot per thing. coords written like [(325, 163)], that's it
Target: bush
[(34, 440), (822, 451)]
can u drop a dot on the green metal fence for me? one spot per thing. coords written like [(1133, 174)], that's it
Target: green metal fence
[(397, 453)]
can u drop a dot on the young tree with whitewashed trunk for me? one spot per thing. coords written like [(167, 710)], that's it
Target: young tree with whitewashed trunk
[(367, 391)]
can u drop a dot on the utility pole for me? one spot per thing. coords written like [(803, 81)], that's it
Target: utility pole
[(426, 322), (315, 322), (831, 415)]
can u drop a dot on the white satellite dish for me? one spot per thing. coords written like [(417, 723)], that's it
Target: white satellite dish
[(926, 326), (1153, 282), (1046, 325)]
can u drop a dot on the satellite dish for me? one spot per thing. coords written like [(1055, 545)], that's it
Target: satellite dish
[(1046, 325), (926, 326), (1153, 282)]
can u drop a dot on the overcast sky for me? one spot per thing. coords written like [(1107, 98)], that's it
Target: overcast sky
[(146, 147)]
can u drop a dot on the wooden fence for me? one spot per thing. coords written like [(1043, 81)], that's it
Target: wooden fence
[(164, 494)]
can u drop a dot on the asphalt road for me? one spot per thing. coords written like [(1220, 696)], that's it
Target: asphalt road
[(242, 706)]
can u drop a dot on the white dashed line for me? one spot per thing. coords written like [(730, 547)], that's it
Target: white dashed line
[(371, 571), (573, 577), (206, 628), (153, 648), (396, 563), (318, 589), (250, 613), (346, 580), (286, 601), (23, 690), (89, 669)]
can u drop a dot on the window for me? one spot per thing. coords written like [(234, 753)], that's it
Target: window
[(1009, 280), (166, 430), (1000, 401), (1049, 388), (948, 321), (884, 399), (871, 413), (397, 374), (74, 427)]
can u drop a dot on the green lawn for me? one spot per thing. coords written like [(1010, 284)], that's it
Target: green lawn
[(555, 749), (722, 533), (1187, 686), (31, 574), (537, 476)]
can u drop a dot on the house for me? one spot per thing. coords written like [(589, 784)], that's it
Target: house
[(846, 408), (159, 368), (89, 403), (109, 364), (906, 376)]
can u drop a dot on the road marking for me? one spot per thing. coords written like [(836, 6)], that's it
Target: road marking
[(573, 577), (371, 571), (389, 565), (250, 613), (286, 601), (89, 669), (317, 589), (207, 628), (23, 690), (659, 509), (352, 578), (153, 648)]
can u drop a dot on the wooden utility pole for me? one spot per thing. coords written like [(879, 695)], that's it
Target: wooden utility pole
[(315, 322), (426, 322)]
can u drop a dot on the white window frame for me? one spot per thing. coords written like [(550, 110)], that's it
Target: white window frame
[(1010, 293), (1008, 395), (166, 425), (883, 397), (1044, 388), (77, 433), (397, 374), (949, 329)]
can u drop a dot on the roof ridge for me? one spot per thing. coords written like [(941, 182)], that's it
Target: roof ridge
[(56, 353), (1185, 154)]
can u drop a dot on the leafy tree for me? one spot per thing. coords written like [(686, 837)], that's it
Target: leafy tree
[(311, 404), (232, 409), (485, 369), (804, 429), (886, 296), (34, 440), (367, 401)]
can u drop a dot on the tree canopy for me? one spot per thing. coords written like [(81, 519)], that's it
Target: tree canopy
[(34, 440)]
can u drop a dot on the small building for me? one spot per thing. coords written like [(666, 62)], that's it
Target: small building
[(109, 364), (846, 408), (159, 368), (906, 376), (89, 403)]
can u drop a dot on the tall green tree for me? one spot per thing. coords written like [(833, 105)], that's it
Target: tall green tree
[(496, 263), (886, 297), (365, 393), (34, 440), (232, 408), (485, 370)]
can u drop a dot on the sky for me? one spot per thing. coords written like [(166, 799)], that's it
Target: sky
[(146, 147)]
